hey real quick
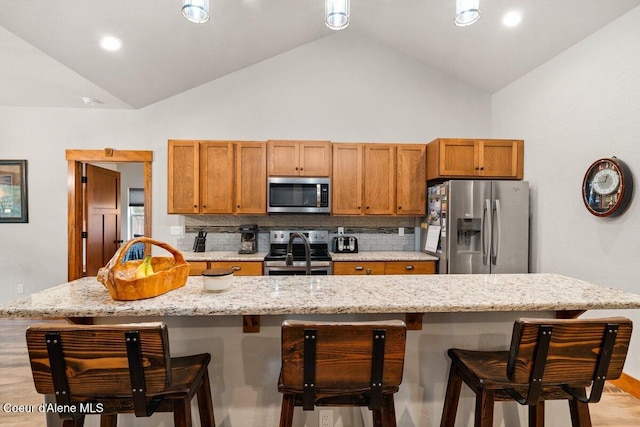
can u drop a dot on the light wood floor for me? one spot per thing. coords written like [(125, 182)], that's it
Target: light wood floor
[(616, 409)]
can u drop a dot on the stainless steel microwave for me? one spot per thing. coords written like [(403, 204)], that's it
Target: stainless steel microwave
[(298, 195)]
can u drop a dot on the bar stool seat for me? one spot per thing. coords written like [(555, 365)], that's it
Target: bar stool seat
[(548, 360), (342, 364), (115, 369)]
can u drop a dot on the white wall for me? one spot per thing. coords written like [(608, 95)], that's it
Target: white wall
[(581, 106), (340, 88)]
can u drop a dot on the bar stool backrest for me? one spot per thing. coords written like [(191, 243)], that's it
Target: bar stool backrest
[(343, 358), (579, 350), (95, 358)]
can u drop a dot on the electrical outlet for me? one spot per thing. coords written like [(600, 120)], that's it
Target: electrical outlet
[(401, 231), (21, 288), (326, 417), (340, 231)]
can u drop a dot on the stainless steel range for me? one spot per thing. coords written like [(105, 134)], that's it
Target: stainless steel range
[(275, 263)]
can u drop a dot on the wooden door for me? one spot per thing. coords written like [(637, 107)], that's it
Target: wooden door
[(216, 177), (183, 177), (411, 179), (251, 178), (346, 184), (102, 195), (284, 158), (315, 158), (457, 157), (498, 158), (379, 179)]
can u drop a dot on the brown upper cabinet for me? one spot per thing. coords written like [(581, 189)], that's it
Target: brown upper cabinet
[(216, 177), (378, 179), (299, 158), (475, 158)]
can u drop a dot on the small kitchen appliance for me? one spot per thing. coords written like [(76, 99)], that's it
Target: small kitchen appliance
[(320, 259), (200, 241), (345, 244), (248, 239)]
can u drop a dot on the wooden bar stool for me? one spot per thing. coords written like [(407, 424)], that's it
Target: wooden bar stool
[(342, 364), (113, 369), (548, 360)]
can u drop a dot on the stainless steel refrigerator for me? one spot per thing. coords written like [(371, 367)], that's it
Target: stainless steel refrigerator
[(479, 227)]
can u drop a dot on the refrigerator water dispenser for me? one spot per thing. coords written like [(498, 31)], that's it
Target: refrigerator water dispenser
[(469, 234)]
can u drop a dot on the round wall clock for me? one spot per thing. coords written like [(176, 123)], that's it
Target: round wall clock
[(607, 187)]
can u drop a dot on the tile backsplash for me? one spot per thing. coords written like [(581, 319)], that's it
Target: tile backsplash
[(373, 233)]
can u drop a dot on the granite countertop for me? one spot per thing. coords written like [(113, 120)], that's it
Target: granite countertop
[(383, 256), (360, 256), (270, 295)]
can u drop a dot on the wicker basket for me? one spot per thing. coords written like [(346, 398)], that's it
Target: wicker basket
[(119, 278)]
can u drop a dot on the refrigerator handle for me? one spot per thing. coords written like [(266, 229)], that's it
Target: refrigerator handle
[(495, 240), (486, 236)]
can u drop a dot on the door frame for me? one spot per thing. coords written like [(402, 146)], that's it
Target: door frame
[(75, 211)]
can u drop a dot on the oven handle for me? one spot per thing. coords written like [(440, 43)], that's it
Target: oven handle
[(293, 268)]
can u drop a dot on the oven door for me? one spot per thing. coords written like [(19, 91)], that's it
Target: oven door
[(299, 268)]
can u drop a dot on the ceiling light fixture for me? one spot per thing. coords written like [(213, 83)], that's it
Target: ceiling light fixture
[(512, 19), (196, 10), (110, 43), (337, 14), (467, 12), (90, 101)]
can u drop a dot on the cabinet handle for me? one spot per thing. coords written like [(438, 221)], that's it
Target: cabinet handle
[(408, 267), (204, 206), (236, 268), (296, 168), (301, 169), (367, 207), (195, 206), (482, 168), (238, 206), (359, 268), (399, 207), (359, 207), (368, 271)]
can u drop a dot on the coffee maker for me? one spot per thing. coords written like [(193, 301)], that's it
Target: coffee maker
[(248, 239)]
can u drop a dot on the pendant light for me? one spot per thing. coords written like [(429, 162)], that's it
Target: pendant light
[(337, 14), (467, 12), (196, 10)]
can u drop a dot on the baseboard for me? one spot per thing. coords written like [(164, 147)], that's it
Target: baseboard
[(628, 384)]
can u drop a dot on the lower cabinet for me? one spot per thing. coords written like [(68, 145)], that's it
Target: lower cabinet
[(240, 268), (384, 267)]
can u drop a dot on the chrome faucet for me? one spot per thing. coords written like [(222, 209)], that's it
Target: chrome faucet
[(307, 250)]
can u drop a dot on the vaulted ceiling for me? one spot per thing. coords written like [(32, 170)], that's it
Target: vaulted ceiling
[(50, 55)]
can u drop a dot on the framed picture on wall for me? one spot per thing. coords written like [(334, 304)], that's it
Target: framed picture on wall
[(13, 191)]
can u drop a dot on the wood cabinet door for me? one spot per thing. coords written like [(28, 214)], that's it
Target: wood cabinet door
[(240, 268), (216, 177), (315, 158), (498, 158), (411, 179), (458, 157), (410, 267), (284, 158), (197, 267), (379, 179), (358, 268), (183, 177), (346, 183), (251, 178)]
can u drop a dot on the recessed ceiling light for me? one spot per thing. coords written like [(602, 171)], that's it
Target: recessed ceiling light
[(90, 101), (512, 19), (110, 43)]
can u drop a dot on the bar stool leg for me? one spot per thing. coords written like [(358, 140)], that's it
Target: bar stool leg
[(182, 413), (580, 416), (536, 414), (286, 412), (109, 420), (205, 405), (451, 398), (376, 414), (484, 408), (388, 411)]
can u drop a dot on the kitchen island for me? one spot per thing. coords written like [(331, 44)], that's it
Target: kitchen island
[(472, 311)]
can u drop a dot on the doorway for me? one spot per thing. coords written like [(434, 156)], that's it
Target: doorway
[(75, 217)]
